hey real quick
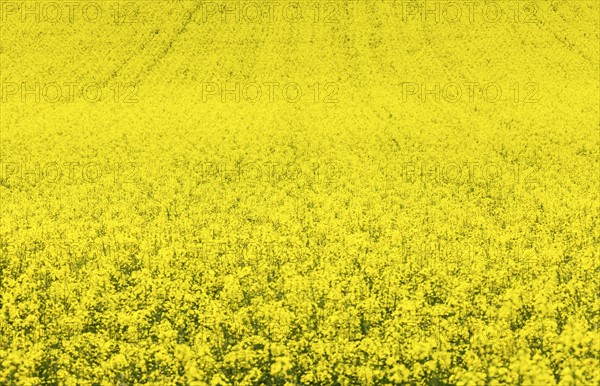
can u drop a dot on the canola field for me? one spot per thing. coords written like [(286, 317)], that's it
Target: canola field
[(336, 192)]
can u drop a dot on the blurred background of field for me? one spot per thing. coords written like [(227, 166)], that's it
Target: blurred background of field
[(350, 258)]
